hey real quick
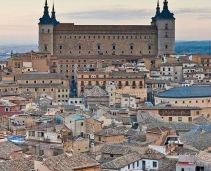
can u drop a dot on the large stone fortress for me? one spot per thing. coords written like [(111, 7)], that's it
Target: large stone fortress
[(69, 39)]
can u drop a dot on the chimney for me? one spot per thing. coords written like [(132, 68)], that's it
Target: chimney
[(69, 153)]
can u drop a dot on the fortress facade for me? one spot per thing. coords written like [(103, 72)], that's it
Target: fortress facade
[(67, 39)]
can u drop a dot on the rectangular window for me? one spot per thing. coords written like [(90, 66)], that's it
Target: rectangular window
[(46, 47), (170, 119), (180, 119), (155, 164), (149, 47)]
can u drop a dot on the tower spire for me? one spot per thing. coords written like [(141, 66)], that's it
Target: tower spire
[(53, 13), (165, 5), (158, 8), (53, 16), (46, 7), (45, 18)]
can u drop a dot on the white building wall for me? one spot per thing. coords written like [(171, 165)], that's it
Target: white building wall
[(160, 149), (139, 166)]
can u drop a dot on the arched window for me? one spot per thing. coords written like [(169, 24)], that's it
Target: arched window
[(98, 46), (131, 46)]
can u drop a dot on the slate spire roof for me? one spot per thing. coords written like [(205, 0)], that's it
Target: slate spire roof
[(157, 13), (46, 19), (165, 14), (53, 16)]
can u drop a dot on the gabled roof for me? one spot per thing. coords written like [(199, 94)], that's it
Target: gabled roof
[(96, 91), (115, 149), (6, 148), (109, 132), (123, 161), (158, 130), (67, 162)]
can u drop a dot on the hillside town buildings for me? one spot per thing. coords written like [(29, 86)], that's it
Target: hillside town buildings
[(105, 98)]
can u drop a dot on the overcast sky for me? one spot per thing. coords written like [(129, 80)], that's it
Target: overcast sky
[(19, 18)]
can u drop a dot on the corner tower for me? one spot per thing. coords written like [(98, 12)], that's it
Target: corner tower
[(165, 22), (46, 25)]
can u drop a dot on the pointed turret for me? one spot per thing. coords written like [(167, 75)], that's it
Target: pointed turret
[(158, 8), (165, 4), (157, 13), (53, 16), (45, 18), (166, 14)]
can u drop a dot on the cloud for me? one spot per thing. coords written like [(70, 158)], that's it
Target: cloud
[(112, 14), (201, 13), (126, 14)]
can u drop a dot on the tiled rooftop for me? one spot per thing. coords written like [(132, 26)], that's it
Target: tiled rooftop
[(38, 76), (115, 149), (109, 132), (198, 138), (158, 130), (104, 28), (6, 148), (201, 120), (20, 164), (178, 126), (152, 154), (96, 91), (68, 162), (122, 161), (204, 157)]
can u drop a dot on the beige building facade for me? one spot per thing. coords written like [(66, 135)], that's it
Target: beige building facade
[(37, 84), (68, 38), (191, 96)]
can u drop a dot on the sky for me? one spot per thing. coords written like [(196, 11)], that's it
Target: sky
[(19, 18)]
